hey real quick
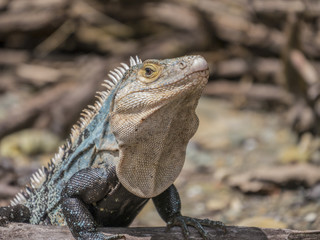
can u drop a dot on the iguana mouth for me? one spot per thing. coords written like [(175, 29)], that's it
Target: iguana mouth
[(195, 78)]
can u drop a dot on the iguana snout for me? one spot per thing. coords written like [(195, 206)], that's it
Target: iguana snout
[(199, 64)]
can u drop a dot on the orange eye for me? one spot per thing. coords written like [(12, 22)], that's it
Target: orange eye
[(149, 72)]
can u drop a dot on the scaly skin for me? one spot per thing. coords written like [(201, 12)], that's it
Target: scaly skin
[(129, 147)]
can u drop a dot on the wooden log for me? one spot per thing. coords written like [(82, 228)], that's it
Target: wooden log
[(7, 191), (37, 75), (256, 92), (12, 57), (304, 68), (21, 116), (36, 232), (307, 7), (3, 4), (49, 108), (239, 28), (29, 21)]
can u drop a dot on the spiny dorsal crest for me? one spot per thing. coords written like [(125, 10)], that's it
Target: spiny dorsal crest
[(39, 177), (87, 114)]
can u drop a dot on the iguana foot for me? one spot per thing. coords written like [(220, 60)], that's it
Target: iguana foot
[(99, 236), (184, 222)]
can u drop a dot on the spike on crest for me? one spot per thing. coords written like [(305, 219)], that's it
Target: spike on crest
[(132, 62), (116, 75), (138, 61), (106, 86), (120, 74), (126, 67), (113, 79), (99, 98), (92, 107), (121, 69)]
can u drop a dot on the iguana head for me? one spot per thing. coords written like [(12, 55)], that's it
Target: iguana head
[(157, 82), (153, 118)]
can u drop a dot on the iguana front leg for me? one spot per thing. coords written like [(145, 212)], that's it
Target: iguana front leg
[(83, 188), (169, 208)]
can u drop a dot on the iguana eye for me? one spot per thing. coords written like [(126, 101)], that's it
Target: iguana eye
[(149, 72)]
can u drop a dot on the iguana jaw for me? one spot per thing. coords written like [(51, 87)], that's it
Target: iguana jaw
[(153, 134)]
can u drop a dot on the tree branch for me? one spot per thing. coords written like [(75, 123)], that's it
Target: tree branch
[(16, 231)]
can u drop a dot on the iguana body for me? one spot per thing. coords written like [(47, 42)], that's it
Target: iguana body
[(129, 147)]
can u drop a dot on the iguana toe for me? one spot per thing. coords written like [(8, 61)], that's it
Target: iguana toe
[(184, 222)]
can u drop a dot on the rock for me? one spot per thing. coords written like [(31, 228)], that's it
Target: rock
[(266, 179), (310, 217), (314, 193), (302, 152), (293, 154), (217, 204), (20, 145)]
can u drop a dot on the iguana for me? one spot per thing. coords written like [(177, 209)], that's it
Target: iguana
[(127, 148)]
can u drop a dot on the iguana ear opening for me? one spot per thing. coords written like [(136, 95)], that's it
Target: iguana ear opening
[(149, 72)]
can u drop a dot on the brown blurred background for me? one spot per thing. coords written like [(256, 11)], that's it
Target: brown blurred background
[(255, 159)]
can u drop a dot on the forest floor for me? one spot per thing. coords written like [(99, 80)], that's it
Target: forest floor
[(243, 167)]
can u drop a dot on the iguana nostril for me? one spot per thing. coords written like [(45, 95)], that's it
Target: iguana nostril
[(182, 65)]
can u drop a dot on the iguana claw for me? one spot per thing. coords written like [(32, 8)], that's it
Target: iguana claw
[(198, 224)]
